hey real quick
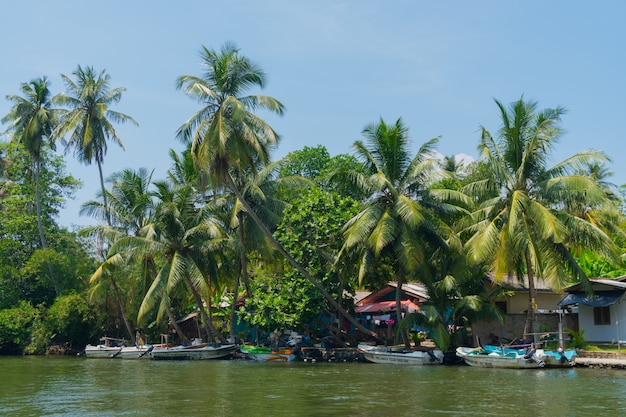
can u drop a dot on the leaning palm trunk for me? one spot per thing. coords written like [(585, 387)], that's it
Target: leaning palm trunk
[(172, 319), (207, 323), (293, 262), (120, 304)]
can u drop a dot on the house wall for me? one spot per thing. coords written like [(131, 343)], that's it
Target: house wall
[(494, 332), (610, 333), (518, 303)]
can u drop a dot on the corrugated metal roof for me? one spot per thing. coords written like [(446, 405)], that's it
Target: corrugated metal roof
[(387, 306)]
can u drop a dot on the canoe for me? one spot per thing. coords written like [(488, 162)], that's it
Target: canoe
[(514, 360), (378, 354)]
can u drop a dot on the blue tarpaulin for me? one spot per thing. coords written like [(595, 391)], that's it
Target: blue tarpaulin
[(599, 298)]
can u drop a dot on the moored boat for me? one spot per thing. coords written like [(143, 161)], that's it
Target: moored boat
[(378, 354), (559, 358), (266, 354), (196, 351), (115, 348), (511, 359)]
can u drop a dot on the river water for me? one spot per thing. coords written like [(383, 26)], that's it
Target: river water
[(44, 386)]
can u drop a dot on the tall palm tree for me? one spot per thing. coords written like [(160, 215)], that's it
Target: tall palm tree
[(130, 209), (399, 219), (186, 240), (227, 137), (526, 226), (88, 118), (32, 121)]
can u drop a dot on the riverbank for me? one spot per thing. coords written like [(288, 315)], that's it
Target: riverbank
[(598, 359)]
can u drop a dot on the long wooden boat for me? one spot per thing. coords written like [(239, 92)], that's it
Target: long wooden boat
[(198, 351), (479, 357), (378, 354), (266, 354)]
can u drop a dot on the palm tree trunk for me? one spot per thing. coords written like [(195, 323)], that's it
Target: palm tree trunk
[(209, 328), (42, 236), (120, 304), (243, 258), (233, 310), (175, 325), (531, 319), (293, 262), (400, 283), (107, 215)]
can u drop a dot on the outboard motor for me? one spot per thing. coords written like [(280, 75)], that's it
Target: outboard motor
[(531, 353), (432, 356)]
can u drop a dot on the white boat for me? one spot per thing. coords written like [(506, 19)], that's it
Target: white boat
[(114, 348), (507, 359), (559, 358), (378, 354), (196, 351)]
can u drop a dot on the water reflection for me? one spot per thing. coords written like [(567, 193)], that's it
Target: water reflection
[(89, 387)]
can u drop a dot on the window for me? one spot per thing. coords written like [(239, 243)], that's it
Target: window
[(501, 305), (601, 316)]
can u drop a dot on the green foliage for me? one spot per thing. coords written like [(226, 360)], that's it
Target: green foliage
[(596, 266), (311, 231), (15, 327), (280, 302), (578, 340), (71, 320), (307, 162)]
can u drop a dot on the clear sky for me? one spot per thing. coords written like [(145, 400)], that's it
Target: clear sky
[(336, 66)]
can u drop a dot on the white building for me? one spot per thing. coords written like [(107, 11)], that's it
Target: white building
[(603, 314)]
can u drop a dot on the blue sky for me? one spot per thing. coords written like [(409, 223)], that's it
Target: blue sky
[(336, 66)]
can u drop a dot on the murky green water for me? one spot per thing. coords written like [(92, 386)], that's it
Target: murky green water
[(40, 386)]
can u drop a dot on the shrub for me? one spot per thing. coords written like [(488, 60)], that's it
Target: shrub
[(16, 326)]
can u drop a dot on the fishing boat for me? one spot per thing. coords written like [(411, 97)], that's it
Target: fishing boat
[(503, 359), (559, 358), (111, 347), (266, 354), (379, 354), (196, 351)]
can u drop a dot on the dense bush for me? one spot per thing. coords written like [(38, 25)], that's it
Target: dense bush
[(16, 326), (70, 321)]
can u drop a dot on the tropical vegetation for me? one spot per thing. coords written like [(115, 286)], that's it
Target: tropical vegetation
[(246, 243)]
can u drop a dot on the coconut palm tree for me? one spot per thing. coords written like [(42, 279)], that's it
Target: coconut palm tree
[(187, 241), (399, 219), (88, 118), (526, 227), (227, 137), (31, 122), (130, 209)]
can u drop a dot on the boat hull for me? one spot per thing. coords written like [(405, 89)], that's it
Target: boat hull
[(192, 352), (385, 355), (551, 358), (512, 360), (101, 351)]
